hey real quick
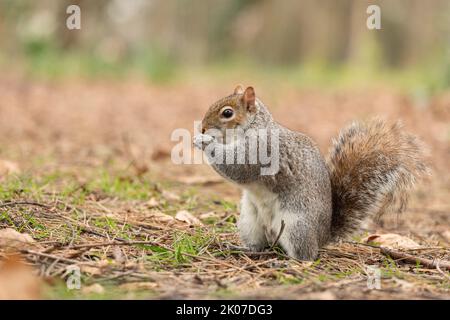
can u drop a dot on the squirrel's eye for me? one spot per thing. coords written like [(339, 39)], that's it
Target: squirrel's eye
[(227, 113)]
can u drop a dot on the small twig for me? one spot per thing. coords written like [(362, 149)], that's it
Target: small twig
[(54, 257), (23, 203), (433, 264), (118, 275), (226, 218), (87, 229), (440, 270), (278, 236), (106, 244), (427, 248)]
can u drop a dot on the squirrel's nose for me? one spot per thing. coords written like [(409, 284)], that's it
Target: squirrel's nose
[(203, 130)]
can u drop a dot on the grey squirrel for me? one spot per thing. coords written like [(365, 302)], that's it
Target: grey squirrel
[(308, 201)]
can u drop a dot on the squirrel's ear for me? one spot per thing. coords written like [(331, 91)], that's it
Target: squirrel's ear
[(249, 99), (238, 89)]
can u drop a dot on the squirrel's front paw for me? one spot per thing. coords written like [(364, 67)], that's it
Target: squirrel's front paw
[(202, 140)]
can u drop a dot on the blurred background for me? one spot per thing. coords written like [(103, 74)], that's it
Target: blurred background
[(304, 42), (86, 115), (140, 69)]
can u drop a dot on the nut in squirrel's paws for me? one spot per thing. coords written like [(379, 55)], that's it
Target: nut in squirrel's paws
[(202, 140)]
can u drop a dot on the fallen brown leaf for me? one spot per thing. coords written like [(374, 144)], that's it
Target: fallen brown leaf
[(446, 235), (8, 167), (187, 217), (158, 217), (100, 267), (152, 203), (170, 196), (94, 288), (17, 281), (392, 240), (91, 270), (14, 239)]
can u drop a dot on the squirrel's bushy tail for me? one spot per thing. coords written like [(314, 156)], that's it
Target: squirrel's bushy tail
[(372, 167)]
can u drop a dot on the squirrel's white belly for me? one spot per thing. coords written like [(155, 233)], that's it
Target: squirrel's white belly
[(267, 209)]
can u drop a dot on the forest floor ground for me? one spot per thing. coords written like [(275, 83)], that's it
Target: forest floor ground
[(86, 173)]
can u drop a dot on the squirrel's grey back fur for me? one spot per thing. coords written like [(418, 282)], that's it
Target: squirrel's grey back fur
[(370, 169)]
